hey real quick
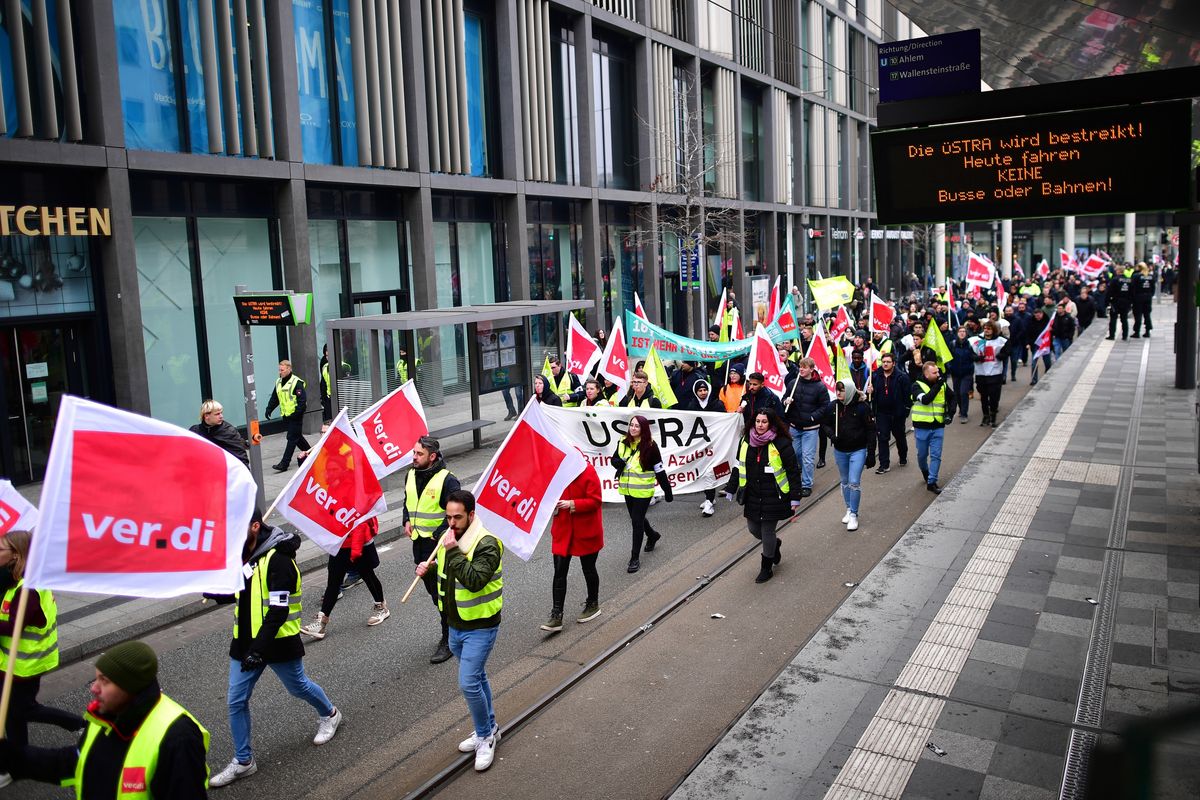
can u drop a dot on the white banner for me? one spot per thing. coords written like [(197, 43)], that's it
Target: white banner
[(16, 513), (698, 447)]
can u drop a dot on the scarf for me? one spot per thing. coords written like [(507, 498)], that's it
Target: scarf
[(761, 441)]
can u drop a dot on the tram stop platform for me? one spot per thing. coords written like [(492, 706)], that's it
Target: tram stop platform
[(1044, 604)]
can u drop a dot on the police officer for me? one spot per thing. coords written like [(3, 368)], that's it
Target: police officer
[(1120, 300), (291, 399), (470, 584), (1143, 296), (427, 489), (139, 743)]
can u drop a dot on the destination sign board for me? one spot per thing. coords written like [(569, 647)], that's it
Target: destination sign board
[(1106, 161), (932, 66), (273, 309)]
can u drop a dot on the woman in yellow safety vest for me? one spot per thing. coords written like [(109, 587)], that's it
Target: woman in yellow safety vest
[(766, 482), (37, 652), (638, 464), (592, 395)]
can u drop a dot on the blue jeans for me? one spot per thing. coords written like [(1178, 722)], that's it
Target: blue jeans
[(963, 386), (850, 465), (929, 451), (472, 649), (241, 686), (805, 444), (1059, 346)]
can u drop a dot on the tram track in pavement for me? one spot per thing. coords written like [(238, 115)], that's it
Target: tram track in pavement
[(461, 763)]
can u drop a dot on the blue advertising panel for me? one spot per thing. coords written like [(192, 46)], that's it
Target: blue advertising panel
[(148, 99), (345, 82), (934, 66), (311, 65)]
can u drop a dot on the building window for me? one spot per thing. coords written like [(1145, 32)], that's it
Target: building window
[(477, 93), (566, 104), (555, 243), (326, 83), (616, 153), (752, 162), (620, 261)]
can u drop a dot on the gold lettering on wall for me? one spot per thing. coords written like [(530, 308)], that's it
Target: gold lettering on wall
[(55, 221)]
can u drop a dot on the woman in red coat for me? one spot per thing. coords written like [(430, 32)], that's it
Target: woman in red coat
[(578, 530)]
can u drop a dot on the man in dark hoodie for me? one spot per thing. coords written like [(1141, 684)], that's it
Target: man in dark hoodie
[(267, 634), (705, 399), (138, 739), (426, 489)]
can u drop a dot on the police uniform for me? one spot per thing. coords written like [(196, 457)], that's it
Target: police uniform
[(290, 397), (1120, 299), (1143, 297)]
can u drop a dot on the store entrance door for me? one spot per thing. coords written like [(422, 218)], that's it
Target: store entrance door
[(39, 363)]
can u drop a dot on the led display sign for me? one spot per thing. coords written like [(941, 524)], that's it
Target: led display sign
[(1116, 160)]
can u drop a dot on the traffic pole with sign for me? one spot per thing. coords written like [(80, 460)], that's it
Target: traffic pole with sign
[(251, 397)]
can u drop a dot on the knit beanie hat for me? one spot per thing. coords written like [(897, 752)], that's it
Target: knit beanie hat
[(131, 665)]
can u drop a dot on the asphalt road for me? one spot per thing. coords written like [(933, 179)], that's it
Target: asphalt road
[(655, 709)]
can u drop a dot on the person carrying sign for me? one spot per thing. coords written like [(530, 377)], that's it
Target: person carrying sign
[(470, 586), (266, 633), (766, 482), (290, 398), (638, 465), (427, 489), (138, 743), (37, 652)]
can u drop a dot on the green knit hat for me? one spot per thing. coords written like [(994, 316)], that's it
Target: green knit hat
[(131, 665)]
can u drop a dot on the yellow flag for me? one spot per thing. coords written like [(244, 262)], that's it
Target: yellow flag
[(547, 372), (842, 369), (937, 343), (832, 292), (659, 381)]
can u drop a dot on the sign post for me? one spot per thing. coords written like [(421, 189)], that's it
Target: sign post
[(262, 308)]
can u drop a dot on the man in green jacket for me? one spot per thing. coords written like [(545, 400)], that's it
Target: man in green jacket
[(470, 584)]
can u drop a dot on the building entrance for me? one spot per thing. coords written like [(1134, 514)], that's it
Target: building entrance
[(39, 363)]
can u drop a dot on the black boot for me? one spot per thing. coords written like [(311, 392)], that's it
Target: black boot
[(992, 419), (765, 573), (778, 556), (983, 423)]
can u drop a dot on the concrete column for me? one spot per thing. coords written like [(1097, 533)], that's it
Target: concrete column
[(1130, 233), (512, 131), (516, 246), (285, 96), (939, 254), (1068, 236), (104, 121), (1006, 254), (297, 276), (118, 263)]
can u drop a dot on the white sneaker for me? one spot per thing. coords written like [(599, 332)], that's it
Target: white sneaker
[(707, 509), (846, 516), (485, 753), (654, 501), (852, 522), (469, 744), (233, 772), (5, 779), (317, 628), (328, 727), (379, 614)]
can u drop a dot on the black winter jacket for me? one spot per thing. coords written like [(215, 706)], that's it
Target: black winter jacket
[(282, 573), (764, 398), (891, 393), (762, 499), (808, 398), (849, 428), (226, 437), (180, 773)]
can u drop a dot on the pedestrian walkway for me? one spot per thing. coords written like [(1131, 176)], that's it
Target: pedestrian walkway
[(88, 623), (1043, 603)]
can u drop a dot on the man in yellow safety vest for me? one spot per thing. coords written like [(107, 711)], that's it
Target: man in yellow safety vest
[(290, 398), (426, 490), (266, 633), (470, 594), (139, 744)]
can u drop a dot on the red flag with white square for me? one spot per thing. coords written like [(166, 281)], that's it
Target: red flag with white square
[(135, 506), (389, 429), (764, 358), (582, 349), (336, 489), (16, 513), (980, 273), (882, 315), (818, 351), (841, 324), (516, 494), (614, 363)]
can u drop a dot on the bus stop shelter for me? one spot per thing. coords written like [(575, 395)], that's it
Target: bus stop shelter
[(455, 355)]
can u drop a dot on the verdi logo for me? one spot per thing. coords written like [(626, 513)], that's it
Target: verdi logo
[(127, 492)]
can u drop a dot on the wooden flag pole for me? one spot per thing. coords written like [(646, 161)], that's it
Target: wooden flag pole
[(18, 624), (428, 561)]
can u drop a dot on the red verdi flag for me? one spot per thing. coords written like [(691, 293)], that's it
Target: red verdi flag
[(818, 351), (335, 491), (841, 324), (980, 273), (786, 316), (16, 513), (1042, 343), (515, 496), (881, 315), (135, 506), (637, 307), (582, 349), (1093, 266), (389, 429), (614, 364), (1067, 262), (1043, 269), (764, 358), (1001, 295)]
